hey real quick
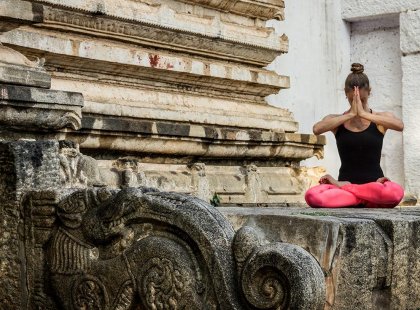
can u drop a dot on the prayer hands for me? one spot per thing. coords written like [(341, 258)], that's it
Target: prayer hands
[(357, 106)]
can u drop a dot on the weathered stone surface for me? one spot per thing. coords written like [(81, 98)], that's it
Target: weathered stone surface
[(135, 247), (362, 9), (33, 108), (143, 248), (158, 24), (17, 69), (259, 9), (369, 257), (410, 31), (411, 112), (23, 166)]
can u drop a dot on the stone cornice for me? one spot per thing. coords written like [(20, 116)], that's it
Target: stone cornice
[(162, 37), (38, 109), (203, 35), (137, 136), (84, 55), (268, 9)]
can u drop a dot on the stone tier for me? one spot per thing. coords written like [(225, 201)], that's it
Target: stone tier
[(169, 25), (38, 109), (369, 257), (162, 86), (265, 9)]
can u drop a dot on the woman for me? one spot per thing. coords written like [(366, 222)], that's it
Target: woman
[(359, 133)]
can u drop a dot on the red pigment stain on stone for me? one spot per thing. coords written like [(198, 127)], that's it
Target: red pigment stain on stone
[(169, 66), (154, 60)]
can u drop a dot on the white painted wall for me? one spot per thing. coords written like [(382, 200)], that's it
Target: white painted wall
[(322, 47), (318, 63)]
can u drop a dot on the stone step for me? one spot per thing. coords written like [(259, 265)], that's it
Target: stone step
[(369, 256)]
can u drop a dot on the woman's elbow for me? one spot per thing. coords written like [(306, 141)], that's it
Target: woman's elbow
[(316, 130)]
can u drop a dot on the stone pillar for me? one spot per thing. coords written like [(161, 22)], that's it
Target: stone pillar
[(24, 165), (410, 47)]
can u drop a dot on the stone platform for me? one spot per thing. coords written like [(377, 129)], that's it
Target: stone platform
[(369, 256)]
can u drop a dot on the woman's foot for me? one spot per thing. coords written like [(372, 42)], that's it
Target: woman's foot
[(328, 179)]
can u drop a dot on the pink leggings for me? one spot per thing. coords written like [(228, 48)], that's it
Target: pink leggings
[(370, 195)]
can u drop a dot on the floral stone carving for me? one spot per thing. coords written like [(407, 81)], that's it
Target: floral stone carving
[(138, 248)]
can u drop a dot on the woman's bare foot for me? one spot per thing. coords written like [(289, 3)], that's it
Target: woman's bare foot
[(328, 179)]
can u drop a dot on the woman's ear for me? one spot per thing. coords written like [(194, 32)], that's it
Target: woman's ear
[(370, 89)]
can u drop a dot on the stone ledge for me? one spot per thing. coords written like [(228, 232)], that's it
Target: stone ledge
[(120, 61), (265, 10), (15, 74), (32, 108), (205, 35), (410, 32), (369, 256), (353, 10)]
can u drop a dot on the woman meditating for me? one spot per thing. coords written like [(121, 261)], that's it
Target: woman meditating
[(359, 133)]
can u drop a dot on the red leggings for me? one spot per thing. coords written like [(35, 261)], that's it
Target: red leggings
[(370, 195)]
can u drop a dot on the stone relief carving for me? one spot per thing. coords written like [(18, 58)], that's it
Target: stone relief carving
[(128, 170), (138, 248), (10, 56), (76, 169)]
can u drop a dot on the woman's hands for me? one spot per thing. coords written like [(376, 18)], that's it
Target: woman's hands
[(357, 105)]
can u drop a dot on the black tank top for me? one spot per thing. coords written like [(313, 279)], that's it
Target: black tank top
[(360, 154)]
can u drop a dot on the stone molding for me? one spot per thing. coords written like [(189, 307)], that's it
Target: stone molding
[(153, 66), (186, 140), (264, 9), (259, 47), (15, 68), (31, 108)]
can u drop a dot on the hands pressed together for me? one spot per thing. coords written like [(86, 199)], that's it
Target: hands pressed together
[(357, 105)]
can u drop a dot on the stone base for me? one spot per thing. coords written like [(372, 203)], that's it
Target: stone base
[(369, 256)]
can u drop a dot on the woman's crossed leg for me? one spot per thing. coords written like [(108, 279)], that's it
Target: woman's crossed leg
[(372, 195)]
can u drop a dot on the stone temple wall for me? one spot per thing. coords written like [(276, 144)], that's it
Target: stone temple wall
[(174, 92)]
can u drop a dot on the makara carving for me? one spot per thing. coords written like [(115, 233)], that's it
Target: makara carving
[(138, 248)]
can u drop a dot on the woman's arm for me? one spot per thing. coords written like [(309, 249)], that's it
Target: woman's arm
[(386, 119), (331, 122)]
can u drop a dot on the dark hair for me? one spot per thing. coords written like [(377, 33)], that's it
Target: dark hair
[(357, 78)]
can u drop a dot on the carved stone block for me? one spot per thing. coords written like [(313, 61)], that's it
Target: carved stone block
[(33, 108), (140, 248)]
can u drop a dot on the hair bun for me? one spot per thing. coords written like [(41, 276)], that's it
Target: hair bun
[(357, 68)]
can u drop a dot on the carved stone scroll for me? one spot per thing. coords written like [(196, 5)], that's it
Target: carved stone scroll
[(140, 248)]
